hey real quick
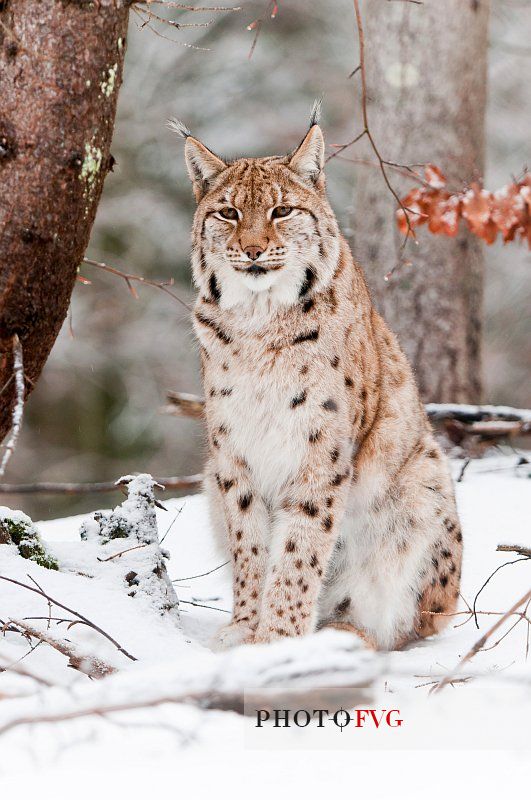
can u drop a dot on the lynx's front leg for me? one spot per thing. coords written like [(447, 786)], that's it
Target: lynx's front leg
[(303, 540), (246, 523)]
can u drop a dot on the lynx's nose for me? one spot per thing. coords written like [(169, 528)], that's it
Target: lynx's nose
[(253, 251)]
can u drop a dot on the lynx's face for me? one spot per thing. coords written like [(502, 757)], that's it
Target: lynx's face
[(263, 226)]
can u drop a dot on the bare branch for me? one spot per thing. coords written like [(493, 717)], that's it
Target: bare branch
[(184, 7), (122, 552), (71, 611), (361, 39), (405, 170), (187, 482), (174, 24), (506, 564), (271, 10), (128, 277), (202, 605), (185, 405), (481, 642), (202, 574), (469, 414), (88, 664), (514, 548), (283, 668), (147, 24)]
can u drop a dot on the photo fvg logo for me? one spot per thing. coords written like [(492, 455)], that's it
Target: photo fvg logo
[(321, 717)]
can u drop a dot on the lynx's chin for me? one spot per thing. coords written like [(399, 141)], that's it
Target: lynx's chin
[(257, 278)]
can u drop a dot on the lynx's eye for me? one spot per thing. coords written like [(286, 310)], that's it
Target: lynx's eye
[(281, 211), (228, 213)]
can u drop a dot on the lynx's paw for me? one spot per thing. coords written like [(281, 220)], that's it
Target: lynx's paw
[(232, 635)]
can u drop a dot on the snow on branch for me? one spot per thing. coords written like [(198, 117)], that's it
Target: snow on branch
[(84, 662), (78, 617), (18, 407), (134, 523), (330, 658)]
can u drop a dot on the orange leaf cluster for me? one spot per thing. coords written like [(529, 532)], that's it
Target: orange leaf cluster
[(507, 211)]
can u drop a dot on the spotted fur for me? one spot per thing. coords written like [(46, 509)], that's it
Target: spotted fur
[(323, 476)]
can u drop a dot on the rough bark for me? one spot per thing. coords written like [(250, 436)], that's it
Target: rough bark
[(426, 73), (60, 71)]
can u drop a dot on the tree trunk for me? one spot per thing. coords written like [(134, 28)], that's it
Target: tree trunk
[(426, 75), (60, 70)]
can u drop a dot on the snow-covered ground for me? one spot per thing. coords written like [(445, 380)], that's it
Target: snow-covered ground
[(476, 730)]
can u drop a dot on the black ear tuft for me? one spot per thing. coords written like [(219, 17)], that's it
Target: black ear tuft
[(179, 128), (315, 115)]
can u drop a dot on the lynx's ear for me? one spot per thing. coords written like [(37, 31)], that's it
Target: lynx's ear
[(308, 159), (202, 165)]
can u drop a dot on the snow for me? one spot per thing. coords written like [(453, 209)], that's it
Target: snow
[(172, 742)]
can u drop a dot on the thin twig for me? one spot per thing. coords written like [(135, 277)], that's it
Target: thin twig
[(174, 24), (147, 24), (405, 170), (71, 611), (202, 605), (128, 277), (361, 39), (271, 10), (342, 147), (170, 526), (6, 385), (18, 407), (202, 575), (367, 131), (32, 579), (481, 642), (122, 552), (506, 564), (463, 470)]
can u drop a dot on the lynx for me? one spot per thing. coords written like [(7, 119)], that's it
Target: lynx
[(323, 475)]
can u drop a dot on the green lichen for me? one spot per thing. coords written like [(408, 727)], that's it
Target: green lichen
[(20, 531), (91, 165), (105, 526), (109, 80)]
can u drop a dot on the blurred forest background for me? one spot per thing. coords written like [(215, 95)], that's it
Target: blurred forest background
[(95, 413)]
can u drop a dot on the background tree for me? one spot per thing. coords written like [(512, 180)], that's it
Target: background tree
[(95, 412), (426, 103), (60, 70)]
